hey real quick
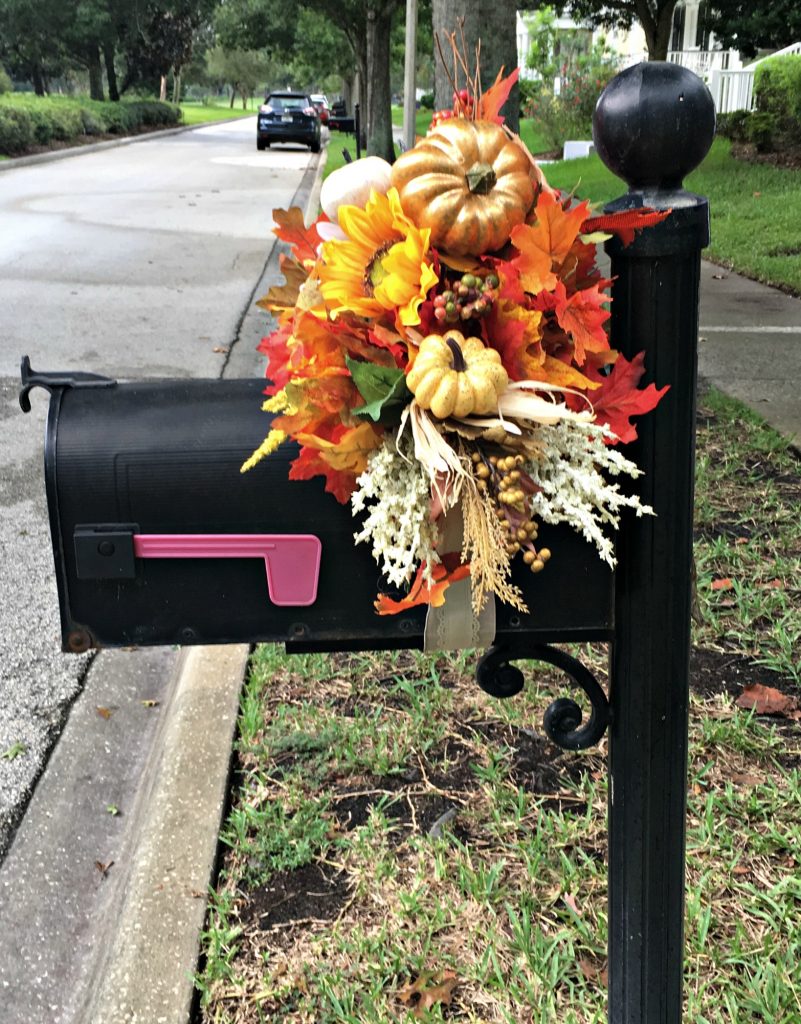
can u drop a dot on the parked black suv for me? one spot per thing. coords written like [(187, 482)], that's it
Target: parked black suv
[(288, 117)]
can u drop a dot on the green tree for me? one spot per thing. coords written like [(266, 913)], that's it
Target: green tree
[(31, 37), (756, 25), (242, 70)]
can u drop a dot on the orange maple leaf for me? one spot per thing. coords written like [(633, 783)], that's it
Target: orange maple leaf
[(583, 315), (284, 296), (491, 101), (544, 244), (422, 592), (347, 452), (290, 227)]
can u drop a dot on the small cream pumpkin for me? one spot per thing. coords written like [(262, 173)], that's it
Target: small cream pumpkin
[(455, 376), (351, 184)]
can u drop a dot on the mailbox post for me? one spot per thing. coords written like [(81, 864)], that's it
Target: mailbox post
[(653, 125), (141, 478)]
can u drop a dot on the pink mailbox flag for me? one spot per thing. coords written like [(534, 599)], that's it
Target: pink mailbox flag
[(292, 560)]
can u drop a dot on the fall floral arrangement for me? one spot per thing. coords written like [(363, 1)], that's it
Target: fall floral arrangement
[(441, 358)]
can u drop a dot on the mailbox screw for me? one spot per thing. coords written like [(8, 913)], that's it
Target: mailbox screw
[(106, 547), (298, 629), (406, 626), (188, 635)]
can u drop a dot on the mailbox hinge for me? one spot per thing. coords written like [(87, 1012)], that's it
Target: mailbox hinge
[(53, 380), (105, 551)]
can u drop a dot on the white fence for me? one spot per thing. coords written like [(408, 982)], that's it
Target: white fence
[(734, 90)]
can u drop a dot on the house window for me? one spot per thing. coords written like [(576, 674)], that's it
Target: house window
[(702, 32), (677, 33)]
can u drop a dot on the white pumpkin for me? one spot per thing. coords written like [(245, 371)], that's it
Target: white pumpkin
[(351, 184)]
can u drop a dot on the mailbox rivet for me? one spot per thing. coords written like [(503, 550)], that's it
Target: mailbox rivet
[(79, 641), (188, 634), (406, 626), (106, 547)]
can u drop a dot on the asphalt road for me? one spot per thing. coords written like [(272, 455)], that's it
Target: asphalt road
[(137, 261)]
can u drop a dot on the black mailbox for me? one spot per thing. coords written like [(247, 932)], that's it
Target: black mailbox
[(158, 538)]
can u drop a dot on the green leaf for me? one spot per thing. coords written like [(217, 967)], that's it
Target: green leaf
[(383, 389)]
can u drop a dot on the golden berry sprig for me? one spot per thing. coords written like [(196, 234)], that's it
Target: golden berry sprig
[(510, 488)]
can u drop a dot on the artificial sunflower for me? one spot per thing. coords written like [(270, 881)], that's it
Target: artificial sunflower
[(382, 265)]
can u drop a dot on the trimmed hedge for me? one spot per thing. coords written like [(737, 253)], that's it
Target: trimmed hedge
[(27, 121), (777, 89)]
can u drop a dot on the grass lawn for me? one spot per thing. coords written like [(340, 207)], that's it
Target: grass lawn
[(398, 841), (755, 210), (197, 113)]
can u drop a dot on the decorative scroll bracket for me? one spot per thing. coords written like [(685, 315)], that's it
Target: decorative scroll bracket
[(496, 676)]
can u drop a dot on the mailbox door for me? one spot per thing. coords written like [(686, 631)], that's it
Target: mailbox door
[(129, 464)]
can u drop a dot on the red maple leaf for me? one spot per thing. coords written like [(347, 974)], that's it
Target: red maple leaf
[(618, 398), (625, 223)]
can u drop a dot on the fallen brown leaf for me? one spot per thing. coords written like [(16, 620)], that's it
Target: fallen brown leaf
[(571, 902), (766, 700), (746, 779), (592, 971), (428, 990), (103, 868), (222, 349), (105, 712), (724, 584)]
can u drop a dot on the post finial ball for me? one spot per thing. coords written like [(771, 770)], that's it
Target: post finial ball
[(653, 124)]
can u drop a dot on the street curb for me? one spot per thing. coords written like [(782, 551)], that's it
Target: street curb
[(153, 942), (95, 147)]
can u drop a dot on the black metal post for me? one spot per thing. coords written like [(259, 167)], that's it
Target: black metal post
[(357, 124), (653, 125)]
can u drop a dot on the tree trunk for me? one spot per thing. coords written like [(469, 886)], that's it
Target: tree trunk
[(95, 72), (657, 28), (495, 25), (379, 95), (176, 85), (111, 73), (38, 80), (233, 97), (163, 88)]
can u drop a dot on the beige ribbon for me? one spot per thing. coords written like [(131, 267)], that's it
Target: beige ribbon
[(454, 626)]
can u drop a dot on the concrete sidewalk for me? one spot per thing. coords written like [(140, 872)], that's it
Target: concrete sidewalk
[(750, 346)]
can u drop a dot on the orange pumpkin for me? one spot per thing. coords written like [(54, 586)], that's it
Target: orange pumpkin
[(468, 182)]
